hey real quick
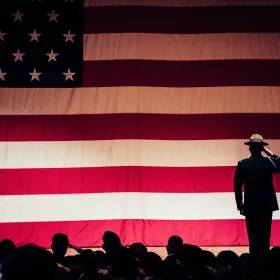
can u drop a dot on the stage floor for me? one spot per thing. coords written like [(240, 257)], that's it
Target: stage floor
[(162, 250)]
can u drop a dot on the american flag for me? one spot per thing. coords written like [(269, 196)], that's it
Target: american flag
[(130, 116)]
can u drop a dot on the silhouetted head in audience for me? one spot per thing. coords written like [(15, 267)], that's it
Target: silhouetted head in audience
[(111, 242), (123, 265), (273, 262), (244, 265), (192, 263), (174, 245), (227, 262), (59, 245), (244, 256), (7, 246), (138, 250), (227, 258), (170, 267), (152, 265), (274, 255), (99, 252), (88, 265), (244, 259), (210, 259), (31, 263)]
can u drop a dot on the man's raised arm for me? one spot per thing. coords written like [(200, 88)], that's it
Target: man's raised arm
[(274, 159)]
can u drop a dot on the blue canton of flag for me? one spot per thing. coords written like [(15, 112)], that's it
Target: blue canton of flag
[(41, 43)]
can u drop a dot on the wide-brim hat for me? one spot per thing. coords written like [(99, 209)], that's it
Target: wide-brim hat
[(256, 139)]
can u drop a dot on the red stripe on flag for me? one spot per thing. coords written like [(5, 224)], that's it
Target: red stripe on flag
[(180, 20), (181, 73), (137, 126), (150, 232), (118, 179)]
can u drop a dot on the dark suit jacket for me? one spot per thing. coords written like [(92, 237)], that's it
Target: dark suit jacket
[(256, 174)]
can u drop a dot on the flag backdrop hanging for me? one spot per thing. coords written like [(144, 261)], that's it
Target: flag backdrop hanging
[(131, 115)]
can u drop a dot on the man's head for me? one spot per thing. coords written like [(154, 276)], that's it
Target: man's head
[(255, 149), (29, 262), (60, 244), (7, 246), (256, 144), (138, 250), (175, 243), (111, 241)]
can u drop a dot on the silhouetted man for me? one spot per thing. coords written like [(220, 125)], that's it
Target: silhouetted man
[(7, 247), (175, 244), (256, 174), (60, 244)]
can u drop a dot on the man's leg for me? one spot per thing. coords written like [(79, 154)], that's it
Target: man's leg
[(252, 228), (259, 232), (264, 234)]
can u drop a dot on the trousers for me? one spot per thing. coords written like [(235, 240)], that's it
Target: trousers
[(259, 233)]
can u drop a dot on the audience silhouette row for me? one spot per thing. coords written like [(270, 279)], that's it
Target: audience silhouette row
[(135, 262)]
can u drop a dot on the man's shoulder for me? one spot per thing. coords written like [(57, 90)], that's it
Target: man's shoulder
[(244, 163), (244, 160), (253, 161)]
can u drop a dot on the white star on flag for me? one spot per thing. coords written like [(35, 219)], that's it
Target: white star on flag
[(2, 75), (69, 75), (52, 55), (2, 35), (18, 15), (53, 16), (69, 37), (35, 75), (34, 36), (18, 55)]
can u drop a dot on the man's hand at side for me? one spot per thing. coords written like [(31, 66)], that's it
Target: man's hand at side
[(241, 209)]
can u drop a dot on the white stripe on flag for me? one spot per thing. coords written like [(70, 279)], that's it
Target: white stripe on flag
[(125, 153), (115, 46), (111, 206), (150, 100)]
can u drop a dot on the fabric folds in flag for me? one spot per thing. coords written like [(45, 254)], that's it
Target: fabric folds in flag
[(130, 116)]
